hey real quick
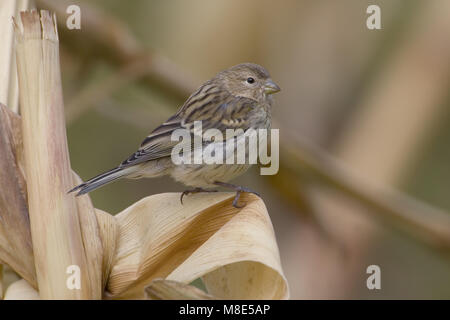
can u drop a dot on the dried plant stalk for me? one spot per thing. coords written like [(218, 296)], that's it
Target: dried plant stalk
[(90, 232), (9, 94), (7, 10), (8, 77), (16, 224), (55, 224)]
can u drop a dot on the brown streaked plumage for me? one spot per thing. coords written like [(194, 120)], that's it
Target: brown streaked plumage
[(236, 98)]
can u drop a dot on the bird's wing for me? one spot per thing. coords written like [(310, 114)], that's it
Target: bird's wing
[(155, 146), (218, 110)]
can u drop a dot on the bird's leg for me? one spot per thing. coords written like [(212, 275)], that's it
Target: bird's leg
[(192, 191), (238, 189)]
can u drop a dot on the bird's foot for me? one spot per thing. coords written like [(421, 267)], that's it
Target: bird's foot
[(238, 189), (192, 191)]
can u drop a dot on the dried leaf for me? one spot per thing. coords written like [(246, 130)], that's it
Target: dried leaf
[(108, 233), (8, 77), (92, 241), (205, 237), (15, 236)]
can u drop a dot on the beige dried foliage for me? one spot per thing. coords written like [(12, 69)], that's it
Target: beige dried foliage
[(15, 237), (233, 250), (205, 237), (92, 242), (108, 233), (8, 77)]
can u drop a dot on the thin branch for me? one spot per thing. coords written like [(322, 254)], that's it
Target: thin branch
[(111, 40), (91, 95), (417, 219)]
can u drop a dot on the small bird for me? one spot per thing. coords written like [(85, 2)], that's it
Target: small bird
[(237, 98)]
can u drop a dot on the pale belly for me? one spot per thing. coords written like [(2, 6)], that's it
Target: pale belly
[(204, 175), (236, 159)]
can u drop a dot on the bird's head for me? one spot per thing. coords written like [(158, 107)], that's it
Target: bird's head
[(248, 80)]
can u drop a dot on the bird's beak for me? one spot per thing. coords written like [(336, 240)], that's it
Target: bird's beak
[(271, 87)]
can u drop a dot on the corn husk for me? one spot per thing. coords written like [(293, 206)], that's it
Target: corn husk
[(54, 218), (234, 250), (8, 77), (9, 94), (109, 235), (15, 236)]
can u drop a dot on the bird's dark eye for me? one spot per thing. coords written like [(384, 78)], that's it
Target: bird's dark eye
[(250, 80)]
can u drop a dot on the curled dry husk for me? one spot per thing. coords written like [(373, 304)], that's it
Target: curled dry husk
[(233, 250)]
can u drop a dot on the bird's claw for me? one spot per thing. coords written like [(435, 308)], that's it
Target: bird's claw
[(236, 199), (239, 190), (192, 191)]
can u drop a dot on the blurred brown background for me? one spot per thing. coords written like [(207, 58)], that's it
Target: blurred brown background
[(376, 100)]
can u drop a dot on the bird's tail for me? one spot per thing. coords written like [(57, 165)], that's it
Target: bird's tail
[(101, 180)]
